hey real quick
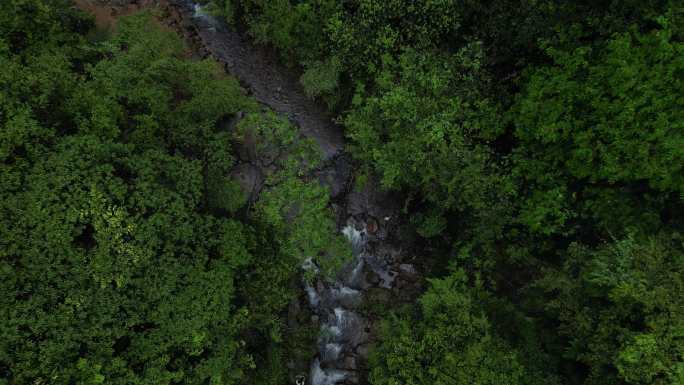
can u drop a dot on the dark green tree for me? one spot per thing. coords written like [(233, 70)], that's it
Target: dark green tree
[(620, 309), (449, 342), (123, 255)]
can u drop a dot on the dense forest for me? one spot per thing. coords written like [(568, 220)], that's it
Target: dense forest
[(537, 145), (127, 254)]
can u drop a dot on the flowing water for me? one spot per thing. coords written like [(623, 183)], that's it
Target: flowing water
[(342, 329)]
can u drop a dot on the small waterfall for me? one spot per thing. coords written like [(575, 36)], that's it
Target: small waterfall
[(198, 11), (354, 277), (341, 332), (314, 298), (342, 327), (332, 351), (325, 377), (341, 317), (355, 237)]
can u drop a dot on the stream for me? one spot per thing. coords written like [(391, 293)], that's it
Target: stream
[(368, 217)]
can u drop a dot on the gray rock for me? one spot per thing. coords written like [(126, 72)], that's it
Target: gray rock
[(371, 200), (350, 363), (352, 379), (250, 179), (336, 175), (362, 351), (408, 271)]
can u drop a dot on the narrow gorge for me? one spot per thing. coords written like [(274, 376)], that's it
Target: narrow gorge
[(368, 217)]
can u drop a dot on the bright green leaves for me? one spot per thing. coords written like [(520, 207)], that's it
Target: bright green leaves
[(613, 113), (293, 206), (297, 30), (114, 257), (275, 144), (118, 257), (164, 97), (322, 78), (598, 128), (223, 193), (377, 28), (300, 211), (545, 212), (450, 344), (423, 127), (27, 26), (89, 374)]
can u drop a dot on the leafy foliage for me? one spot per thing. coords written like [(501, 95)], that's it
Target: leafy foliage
[(620, 306), (523, 133), (122, 253), (424, 125), (515, 129), (450, 343), (612, 116)]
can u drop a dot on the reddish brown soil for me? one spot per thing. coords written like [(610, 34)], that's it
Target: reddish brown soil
[(106, 15)]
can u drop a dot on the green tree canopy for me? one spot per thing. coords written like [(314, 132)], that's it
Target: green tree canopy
[(620, 309), (123, 255), (449, 343)]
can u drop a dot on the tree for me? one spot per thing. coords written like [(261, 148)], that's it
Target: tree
[(608, 115), (620, 309), (123, 257), (449, 343)]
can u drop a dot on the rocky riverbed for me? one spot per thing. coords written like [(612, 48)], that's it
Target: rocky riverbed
[(382, 275)]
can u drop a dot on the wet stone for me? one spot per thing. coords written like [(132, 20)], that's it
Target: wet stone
[(363, 351), (350, 363), (249, 177), (371, 226), (372, 278), (408, 272)]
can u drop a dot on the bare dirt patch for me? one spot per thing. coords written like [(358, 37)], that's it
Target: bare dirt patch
[(107, 13)]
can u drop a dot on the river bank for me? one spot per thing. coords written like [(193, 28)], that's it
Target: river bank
[(382, 275)]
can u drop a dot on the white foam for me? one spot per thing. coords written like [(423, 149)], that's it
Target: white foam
[(310, 265), (314, 298), (355, 237), (332, 351), (198, 11), (344, 292), (341, 317), (325, 377), (334, 330)]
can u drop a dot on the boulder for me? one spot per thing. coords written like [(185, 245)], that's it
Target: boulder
[(371, 200), (336, 175), (408, 272), (350, 363), (250, 179)]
